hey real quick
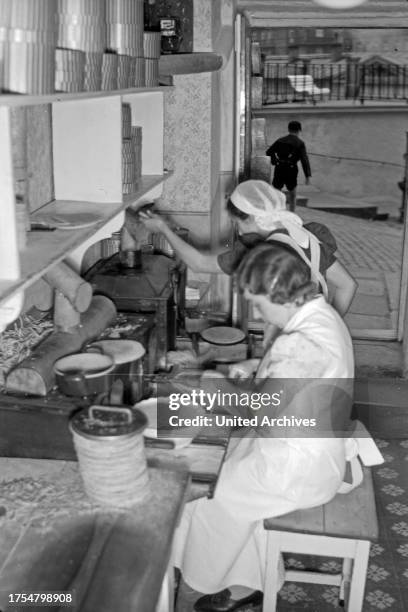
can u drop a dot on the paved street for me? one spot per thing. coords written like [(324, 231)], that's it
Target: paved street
[(372, 252)]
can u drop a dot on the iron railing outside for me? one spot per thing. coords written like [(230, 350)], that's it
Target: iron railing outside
[(314, 83)]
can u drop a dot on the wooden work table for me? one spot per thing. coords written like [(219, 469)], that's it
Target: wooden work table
[(52, 538)]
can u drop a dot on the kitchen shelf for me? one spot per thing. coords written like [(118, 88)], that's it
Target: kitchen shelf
[(189, 63), (47, 248), (32, 100)]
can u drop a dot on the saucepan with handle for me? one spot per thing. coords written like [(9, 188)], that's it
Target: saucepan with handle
[(84, 374)]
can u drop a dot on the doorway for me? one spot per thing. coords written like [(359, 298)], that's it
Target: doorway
[(354, 130)]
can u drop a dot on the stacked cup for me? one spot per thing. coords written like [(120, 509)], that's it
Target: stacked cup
[(131, 152), (81, 26), (27, 45), (128, 157), (109, 71), (137, 147), (69, 70), (124, 24), (152, 46)]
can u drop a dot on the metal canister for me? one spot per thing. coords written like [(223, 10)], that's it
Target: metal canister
[(109, 444)]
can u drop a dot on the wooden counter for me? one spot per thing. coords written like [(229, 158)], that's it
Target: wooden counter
[(53, 538)]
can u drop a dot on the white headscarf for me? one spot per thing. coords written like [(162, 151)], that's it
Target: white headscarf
[(268, 207)]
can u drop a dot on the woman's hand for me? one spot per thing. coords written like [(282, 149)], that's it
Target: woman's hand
[(152, 222), (243, 369)]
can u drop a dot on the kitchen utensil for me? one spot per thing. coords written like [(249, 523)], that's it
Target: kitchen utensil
[(223, 335), (84, 374), (68, 221), (127, 357), (109, 444), (149, 408)]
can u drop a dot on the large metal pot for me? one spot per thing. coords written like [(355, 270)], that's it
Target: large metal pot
[(84, 374), (127, 357)]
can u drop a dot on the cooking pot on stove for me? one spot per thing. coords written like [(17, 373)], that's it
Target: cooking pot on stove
[(127, 357), (84, 374)]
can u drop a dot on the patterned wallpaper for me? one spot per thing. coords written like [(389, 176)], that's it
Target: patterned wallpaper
[(187, 144), (187, 133), (202, 25)]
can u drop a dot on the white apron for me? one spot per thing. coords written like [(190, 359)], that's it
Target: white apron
[(221, 542)]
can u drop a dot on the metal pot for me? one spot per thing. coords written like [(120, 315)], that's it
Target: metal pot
[(84, 374), (127, 357)]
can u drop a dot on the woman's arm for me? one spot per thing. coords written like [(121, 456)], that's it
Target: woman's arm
[(192, 257), (342, 287)]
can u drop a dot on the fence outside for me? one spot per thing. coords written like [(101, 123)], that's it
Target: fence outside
[(333, 81)]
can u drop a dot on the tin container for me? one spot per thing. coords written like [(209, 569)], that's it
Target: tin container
[(110, 448)]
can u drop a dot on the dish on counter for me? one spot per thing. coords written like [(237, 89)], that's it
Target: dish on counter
[(68, 221), (149, 408), (223, 334)]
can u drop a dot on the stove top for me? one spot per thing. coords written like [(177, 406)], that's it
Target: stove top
[(110, 277)]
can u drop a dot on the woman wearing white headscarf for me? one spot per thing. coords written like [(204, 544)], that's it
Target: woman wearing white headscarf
[(259, 211)]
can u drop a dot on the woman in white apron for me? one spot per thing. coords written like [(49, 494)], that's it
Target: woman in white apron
[(220, 542)]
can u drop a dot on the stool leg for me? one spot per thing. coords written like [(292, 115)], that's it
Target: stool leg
[(273, 552), (358, 578), (345, 580)]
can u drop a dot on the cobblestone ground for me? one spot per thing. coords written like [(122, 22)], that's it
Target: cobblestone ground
[(372, 252), (362, 243)]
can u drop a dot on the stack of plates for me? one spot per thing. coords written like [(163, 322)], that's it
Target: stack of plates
[(126, 121), (137, 147), (152, 44), (81, 25), (109, 71), (93, 71), (137, 72), (69, 70), (128, 166), (124, 25), (27, 45), (151, 72), (124, 69)]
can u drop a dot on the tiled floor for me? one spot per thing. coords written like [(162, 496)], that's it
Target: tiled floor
[(387, 579)]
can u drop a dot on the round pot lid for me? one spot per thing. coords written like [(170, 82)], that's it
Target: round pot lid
[(223, 335), (120, 351), (88, 364)]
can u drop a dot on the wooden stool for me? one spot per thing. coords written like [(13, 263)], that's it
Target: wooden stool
[(343, 528)]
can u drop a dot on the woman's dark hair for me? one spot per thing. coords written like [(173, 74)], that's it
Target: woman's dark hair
[(235, 212), (278, 272)]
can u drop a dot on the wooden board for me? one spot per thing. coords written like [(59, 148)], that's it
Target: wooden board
[(114, 560)]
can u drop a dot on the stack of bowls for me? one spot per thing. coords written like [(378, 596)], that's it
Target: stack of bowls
[(137, 72), (126, 121), (27, 41), (109, 71), (69, 70), (124, 25), (81, 26), (128, 166), (124, 71), (93, 71), (152, 46), (137, 148)]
